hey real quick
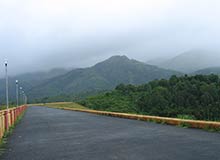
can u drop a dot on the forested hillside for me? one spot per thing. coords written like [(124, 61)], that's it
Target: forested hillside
[(194, 97), (105, 75)]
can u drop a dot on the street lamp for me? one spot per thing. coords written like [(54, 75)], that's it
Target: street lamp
[(6, 79), (20, 93), (17, 96), (25, 99), (23, 94)]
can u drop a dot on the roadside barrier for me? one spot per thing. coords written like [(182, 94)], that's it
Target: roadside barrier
[(164, 120), (8, 118)]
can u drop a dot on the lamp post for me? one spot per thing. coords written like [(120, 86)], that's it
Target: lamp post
[(6, 79), (20, 94), (17, 96), (23, 94), (25, 99)]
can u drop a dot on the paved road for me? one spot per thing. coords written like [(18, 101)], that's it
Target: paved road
[(52, 134)]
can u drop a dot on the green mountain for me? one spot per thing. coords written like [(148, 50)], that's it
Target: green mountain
[(207, 71), (102, 76)]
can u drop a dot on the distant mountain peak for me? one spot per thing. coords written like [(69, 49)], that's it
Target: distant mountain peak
[(207, 71), (192, 61), (118, 57)]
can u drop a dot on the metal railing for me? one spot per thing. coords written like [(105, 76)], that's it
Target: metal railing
[(8, 117)]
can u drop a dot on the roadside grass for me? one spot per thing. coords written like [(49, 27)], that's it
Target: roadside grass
[(211, 129), (61, 105), (3, 107), (184, 125), (185, 116)]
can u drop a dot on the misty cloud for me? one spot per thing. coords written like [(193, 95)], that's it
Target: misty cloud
[(43, 34)]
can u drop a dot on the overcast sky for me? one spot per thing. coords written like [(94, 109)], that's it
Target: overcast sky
[(43, 34)]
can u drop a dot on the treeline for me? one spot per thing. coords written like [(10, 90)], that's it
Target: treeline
[(195, 97)]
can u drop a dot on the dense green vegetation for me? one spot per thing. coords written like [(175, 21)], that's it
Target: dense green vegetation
[(193, 97)]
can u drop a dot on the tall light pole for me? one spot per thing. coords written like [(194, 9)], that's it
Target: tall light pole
[(17, 97), (20, 93), (23, 94), (6, 79), (25, 99)]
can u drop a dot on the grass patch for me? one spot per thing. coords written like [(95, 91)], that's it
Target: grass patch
[(163, 122), (185, 116), (211, 129), (184, 125), (3, 143), (4, 107), (61, 105)]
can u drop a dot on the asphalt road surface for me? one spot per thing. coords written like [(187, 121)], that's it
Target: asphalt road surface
[(52, 134)]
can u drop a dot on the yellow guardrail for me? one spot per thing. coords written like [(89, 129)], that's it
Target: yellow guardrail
[(8, 118)]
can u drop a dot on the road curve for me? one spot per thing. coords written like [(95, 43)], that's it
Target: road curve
[(53, 134)]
